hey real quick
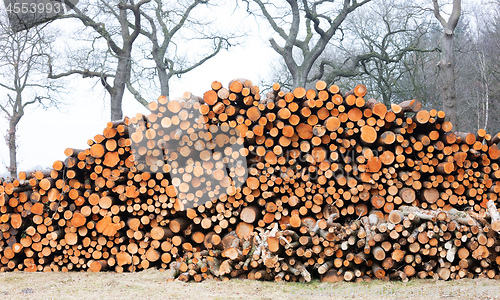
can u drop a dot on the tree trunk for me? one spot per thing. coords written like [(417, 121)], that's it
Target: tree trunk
[(447, 64), (164, 79), (12, 144), (447, 73), (486, 90), (116, 107), (124, 54), (122, 75), (299, 76)]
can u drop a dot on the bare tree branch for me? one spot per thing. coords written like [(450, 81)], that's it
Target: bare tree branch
[(119, 44), (136, 94), (6, 111), (437, 13), (164, 32), (305, 13)]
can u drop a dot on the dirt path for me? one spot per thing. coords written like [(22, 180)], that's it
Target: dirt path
[(151, 285)]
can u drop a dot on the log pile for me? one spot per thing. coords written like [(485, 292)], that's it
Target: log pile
[(292, 186)]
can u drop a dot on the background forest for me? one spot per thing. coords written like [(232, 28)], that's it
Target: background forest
[(102, 60)]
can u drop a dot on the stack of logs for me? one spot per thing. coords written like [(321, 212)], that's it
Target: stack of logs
[(294, 186)]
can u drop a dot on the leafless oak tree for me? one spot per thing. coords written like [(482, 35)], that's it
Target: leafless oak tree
[(23, 59), (163, 27), (305, 28), (378, 39), (447, 64), (119, 41)]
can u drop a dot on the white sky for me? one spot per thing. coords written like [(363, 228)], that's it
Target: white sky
[(43, 135)]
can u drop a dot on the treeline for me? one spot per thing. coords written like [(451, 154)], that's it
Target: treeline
[(396, 49), (440, 52)]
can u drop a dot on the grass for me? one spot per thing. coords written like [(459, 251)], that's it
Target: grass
[(151, 284)]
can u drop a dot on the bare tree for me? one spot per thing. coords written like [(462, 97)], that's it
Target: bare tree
[(482, 58), (379, 37), (486, 47), (155, 27), (119, 41), (447, 64), (305, 28), (164, 25), (23, 57)]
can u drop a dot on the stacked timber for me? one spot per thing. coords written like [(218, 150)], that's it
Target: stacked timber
[(291, 186)]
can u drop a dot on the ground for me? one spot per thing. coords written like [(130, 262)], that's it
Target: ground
[(151, 284)]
